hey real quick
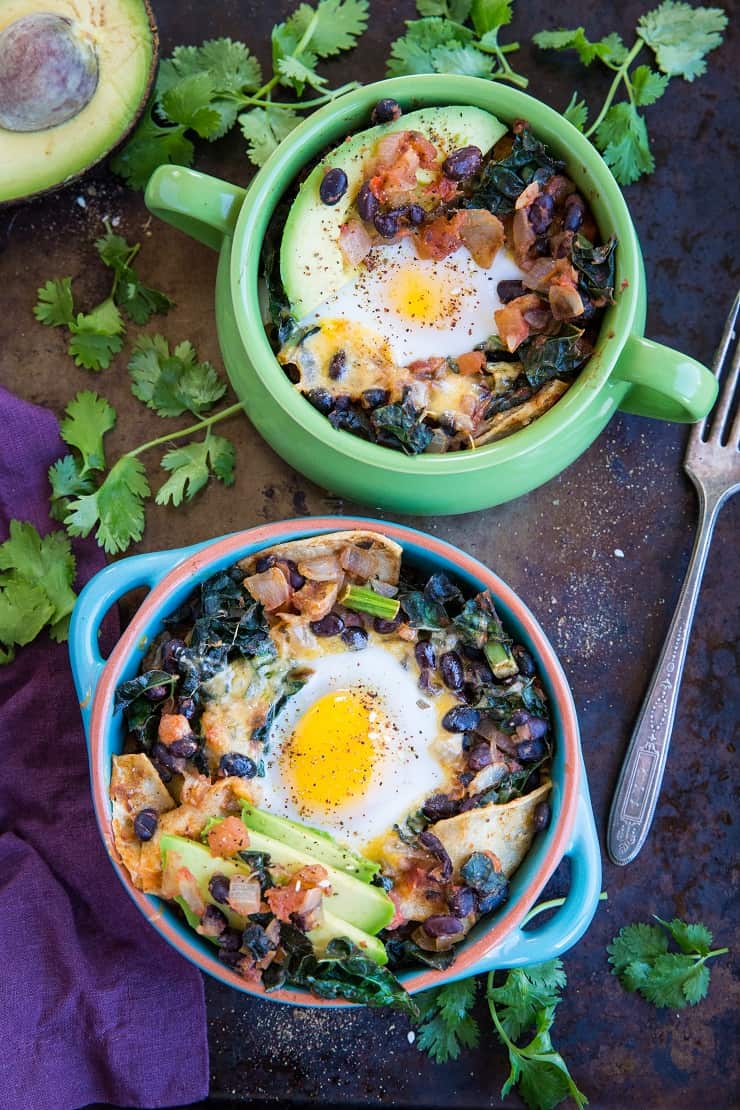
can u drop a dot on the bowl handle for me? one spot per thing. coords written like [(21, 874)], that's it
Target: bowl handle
[(204, 207), (532, 946), (100, 593), (664, 383)]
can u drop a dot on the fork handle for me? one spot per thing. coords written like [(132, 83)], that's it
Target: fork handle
[(641, 776)]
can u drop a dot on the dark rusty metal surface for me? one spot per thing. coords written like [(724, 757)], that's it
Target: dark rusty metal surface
[(598, 554)]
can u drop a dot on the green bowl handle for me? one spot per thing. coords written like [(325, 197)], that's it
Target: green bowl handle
[(204, 207), (664, 383)]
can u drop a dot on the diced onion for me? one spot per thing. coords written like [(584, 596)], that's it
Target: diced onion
[(270, 588)]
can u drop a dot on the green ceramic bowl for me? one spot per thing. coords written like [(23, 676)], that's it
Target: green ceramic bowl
[(626, 371)]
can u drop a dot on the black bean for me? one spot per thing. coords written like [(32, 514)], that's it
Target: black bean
[(509, 290), (480, 757), (386, 224), (295, 578), (145, 823), (185, 747), (415, 214), (213, 922), (238, 765), (385, 627), (462, 163), (524, 661), (461, 718), (333, 186), (453, 674), (337, 366), (367, 203), (494, 899), (462, 902), (519, 717), (156, 693), (542, 246), (542, 815), (171, 651), (428, 681), (355, 638), (575, 209), (163, 755), (264, 563), (424, 654), (540, 213), (186, 706), (373, 398), (292, 372), (164, 772), (231, 957), (530, 750), (343, 402), (231, 940), (218, 888), (469, 741), (441, 925), (385, 111), (321, 399), (434, 845), (537, 728), (439, 806), (330, 625)]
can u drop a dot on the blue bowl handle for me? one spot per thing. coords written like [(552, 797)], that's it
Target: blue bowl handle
[(570, 921), (100, 593)]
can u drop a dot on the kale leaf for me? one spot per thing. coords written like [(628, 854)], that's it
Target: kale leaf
[(501, 182), (404, 951), (545, 357), (595, 267), (129, 691), (402, 424), (344, 972)]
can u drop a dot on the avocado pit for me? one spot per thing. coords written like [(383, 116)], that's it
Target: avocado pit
[(48, 72)]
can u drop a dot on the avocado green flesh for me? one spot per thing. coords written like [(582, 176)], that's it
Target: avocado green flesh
[(177, 851), (312, 265), (95, 74), (319, 844)]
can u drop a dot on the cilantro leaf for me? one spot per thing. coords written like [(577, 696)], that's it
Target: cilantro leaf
[(294, 73), (540, 1072), (55, 306), (137, 300), (202, 86), (115, 509), (191, 467), (264, 129), (414, 51), (88, 418), (457, 10), (682, 36), (525, 991), (623, 140), (636, 942), (447, 1025), (66, 481), (337, 24), (36, 576), (489, 15), (610, 49), (171, 384), (463, 59), (647, 85), (189, 103), (689, 938), (151, 145), (664, 986), (576, 112), (96, 336)]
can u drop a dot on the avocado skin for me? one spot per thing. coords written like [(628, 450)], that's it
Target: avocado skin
[(110, 149), (203, 865), (316, 842)]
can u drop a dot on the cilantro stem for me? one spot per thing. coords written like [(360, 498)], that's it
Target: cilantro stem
[(206, 423), (620, 75), (254, 101), (553, 904)]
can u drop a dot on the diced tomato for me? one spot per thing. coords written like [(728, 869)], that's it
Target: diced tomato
[(172, 727), (513, 329), (440, 237), (471, 363), (228, 837)]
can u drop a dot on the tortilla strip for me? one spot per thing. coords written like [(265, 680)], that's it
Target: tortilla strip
[(134, 785), (504, 423), (387, 552), (507, 830)]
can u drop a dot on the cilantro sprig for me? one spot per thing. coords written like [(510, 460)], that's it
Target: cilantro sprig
[(36, 576), (87, 495), (447, 1026), (443, 41), (96, 336), (680, 37), (205, 90), (640, 958)]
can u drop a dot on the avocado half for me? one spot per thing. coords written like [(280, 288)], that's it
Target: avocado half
[(75, 76)]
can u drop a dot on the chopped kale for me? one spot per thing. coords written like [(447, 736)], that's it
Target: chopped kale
[(259, 862), (404, 951), (128, 692), (545, 357), (479, 622), (421, 612), (412, 826), (440, 589), (142, 719), (500, 183), (256, 941), (290, 685), (344, 972), (491, 886), (595, 267), (278, 305), (403, 424)]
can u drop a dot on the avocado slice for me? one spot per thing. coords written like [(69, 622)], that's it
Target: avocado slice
[(73, 82), (312, 266), (304, 838), (177, 851)]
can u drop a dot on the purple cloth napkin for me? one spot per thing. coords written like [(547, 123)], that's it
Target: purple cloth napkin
[(94, 1006)]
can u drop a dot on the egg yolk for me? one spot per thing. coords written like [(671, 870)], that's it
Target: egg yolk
[(420, 296), (328, 760)]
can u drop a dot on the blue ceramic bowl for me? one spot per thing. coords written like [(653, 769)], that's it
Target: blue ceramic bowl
[(499, 941)]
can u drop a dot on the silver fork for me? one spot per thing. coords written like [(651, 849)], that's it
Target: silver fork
[(713, 463)]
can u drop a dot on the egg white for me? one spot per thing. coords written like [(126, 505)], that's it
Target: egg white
[(422, 308), (404, 770)]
